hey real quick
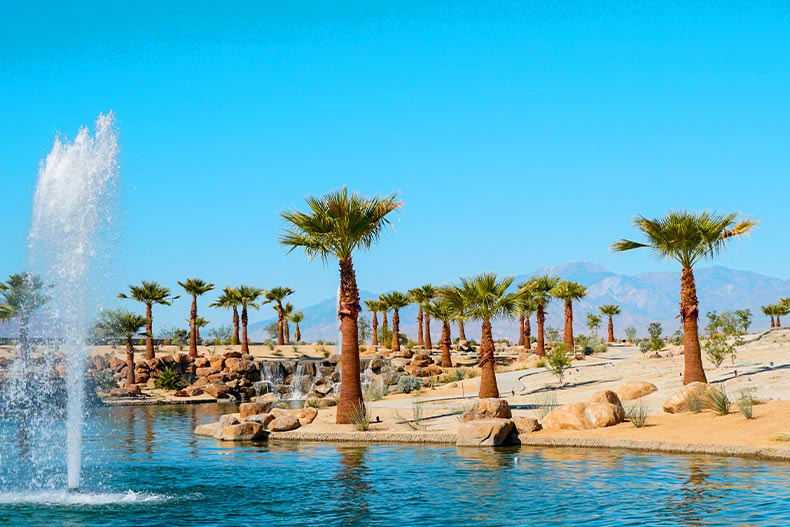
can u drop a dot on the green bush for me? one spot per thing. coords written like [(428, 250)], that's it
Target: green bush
[(169, 379), (360, 417), (409, 383), (746, 402), (637, 413), (559, 360), (654, 329), (716, 399)]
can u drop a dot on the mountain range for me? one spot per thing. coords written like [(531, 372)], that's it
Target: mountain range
[(643, 298)]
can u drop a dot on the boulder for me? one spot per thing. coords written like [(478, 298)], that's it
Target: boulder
[(199, 383), (407, 354), (248, 409), (584, 416), (116, 364), (142, 377), (601, 415), (679, 402), (488, 409), (323, 389), (421, 360), (218, 363), (205, 372), (334, 359), (98, 362), (306, 415), (284, 423), (280, 412), (605, 396), (265, 398), (246, 431), (191, 391), (327, 402), (216, 389), (200, 362), (263, 419), (132, 390), (234, 365), (232, 354), (635, 390), (207, 430), (399, 362), (525, 425), (229, 419), (485, 432)]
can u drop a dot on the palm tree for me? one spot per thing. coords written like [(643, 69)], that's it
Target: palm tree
[(149, 293), (769, 312), (277, 295), (453, 294), (24, 294), (296, 318), (421, 296), (194, 287), (526, 306), (688, 237), (248, 298), (780, 310), (569, 291), (374, 306), (488, 299), (539, 288), (385, 325), (396, 301), (229, 299), (445, 311), (200, 323), (288, 310), (336, 226), (125, 324), (610, 310)]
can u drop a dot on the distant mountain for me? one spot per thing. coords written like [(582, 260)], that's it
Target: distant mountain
[(644, 298)]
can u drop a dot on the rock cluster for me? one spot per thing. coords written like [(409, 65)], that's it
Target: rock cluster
[(488, 423), (603, 409)]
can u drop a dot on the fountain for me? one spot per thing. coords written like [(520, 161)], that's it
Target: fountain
[(68, 242)]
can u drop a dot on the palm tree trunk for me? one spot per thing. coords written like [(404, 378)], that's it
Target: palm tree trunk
[(778, 321), (129, 361), (384, 324), (773, 324), (540, 345), (488, 386), (374, 339), (461, 332), (447, 361), (520, 329), (348, 310), (245, 345), (193, 328), (420, 341), (611, 330), (235, 338), (395, 329), (689, 314), (280, 320), (298, 333), (567, 334), (527, 333), (149, 328), (287, 331), (427, 339)]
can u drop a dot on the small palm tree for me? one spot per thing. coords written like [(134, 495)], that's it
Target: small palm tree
[(526, 306), (539, 289), (194, 287), (248, 298), (123, 324), (385, 325), (149, 293), (296, 318), (421, 296), (374, 306), (688, 237), (610, 310), (568, 291), (445, 311), (229, 299), (453, 294), (488, 299), (780, 310), (24, 294), (337, 225), (277, 295), (396, 301), (769, 311), (288, 310)]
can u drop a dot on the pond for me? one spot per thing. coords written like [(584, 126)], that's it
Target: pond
[(142, 466)]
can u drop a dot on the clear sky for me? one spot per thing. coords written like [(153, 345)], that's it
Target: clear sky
[(518, 136)]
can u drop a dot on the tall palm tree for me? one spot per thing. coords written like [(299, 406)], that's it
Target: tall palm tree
[(385, 325), (288, 310), (453, 294), (149, 293), (770, 312), (539, 288), (337, 225), (125, 324), (229, 299), (296, 318), (194, 287), (24, 295), (277, 295), (421, 296), (688, 237), (488, 299), (610, 310), (526, 306), (445, 311), (396, 301), (374, 306), (568, 291), (248, 299), (780, 310)]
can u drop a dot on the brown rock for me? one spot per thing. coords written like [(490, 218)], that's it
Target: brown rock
[(265, 398), (488, 409), (263, 419), (234, 365), (207, 430), (284, 423), (142, 377), (306, 415), (232, 354), (218, 363), (205, 372), (216, 389), (246, 431), (202, 362), (193, 392), (327, 402), (525, 425), (487, 432), (679, 402), (199, 383), (248, 409), (605, 396), (601, 415), (584, 416), (635, 389), (99, 362), (280, 412), (116, 364)]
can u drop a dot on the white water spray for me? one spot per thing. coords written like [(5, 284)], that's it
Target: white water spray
[(72, 215)]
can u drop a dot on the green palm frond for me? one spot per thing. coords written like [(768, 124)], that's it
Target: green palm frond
[(120, 323), (229, 299), (423, 294), (487, 297), (539, 288), (609, 309), (248, 296), (149, 293), (567, 290), (196, 286), (442, 309), (278, 294), (396, 300)]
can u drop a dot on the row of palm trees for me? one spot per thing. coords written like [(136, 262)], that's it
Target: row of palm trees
[(243, 297), (776, 311), (338, 224)]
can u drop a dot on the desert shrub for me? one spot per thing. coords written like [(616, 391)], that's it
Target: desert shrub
[(169, 379), (717, 400), (552, 334), (269, 343), (676, 339), (409, 383), (277, 353), (630, 334), (453, 375), (637, 413), (360, 417), (746, 402), (644, 346), (545, 402), (694, 401), (654, 329), (363, 349), (595, 343), (416, 421), (375, 391), (717, 349), (541, 363), (311, 403), (559, 360)]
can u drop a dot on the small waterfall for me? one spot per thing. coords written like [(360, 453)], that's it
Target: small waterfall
[(271, 378), (296, 390), (367, 377)]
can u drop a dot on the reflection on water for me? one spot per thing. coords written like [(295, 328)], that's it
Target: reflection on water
[(173, 474)]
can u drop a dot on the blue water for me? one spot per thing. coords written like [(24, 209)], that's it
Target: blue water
[(144, 467)]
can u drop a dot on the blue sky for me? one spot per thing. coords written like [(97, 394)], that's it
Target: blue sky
[(518, 136)]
